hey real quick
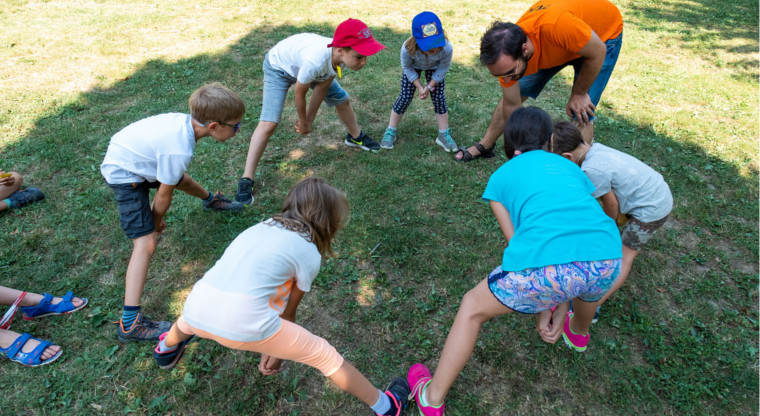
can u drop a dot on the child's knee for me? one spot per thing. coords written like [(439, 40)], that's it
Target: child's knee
[(146, 245)]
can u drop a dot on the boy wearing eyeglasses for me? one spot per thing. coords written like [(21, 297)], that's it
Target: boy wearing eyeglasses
[(154, 153), (309, 61)]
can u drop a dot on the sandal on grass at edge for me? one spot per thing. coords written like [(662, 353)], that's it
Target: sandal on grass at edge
[(47, 308), (467, 156), (31, 358)]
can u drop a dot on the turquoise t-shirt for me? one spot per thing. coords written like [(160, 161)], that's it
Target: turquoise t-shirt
[(556, 219)]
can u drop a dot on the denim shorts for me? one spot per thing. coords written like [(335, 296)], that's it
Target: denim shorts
[(531, 85), (540, 288), (276, 85)]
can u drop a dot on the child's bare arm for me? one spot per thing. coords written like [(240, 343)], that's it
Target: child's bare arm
[(504, 219), (610, 205), (296, 294), (161, 203), (317, 95), (303, 125)]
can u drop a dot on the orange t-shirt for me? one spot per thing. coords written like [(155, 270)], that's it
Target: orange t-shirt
[(560, 28)]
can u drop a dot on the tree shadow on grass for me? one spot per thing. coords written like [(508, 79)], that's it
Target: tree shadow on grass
[(436, 240)]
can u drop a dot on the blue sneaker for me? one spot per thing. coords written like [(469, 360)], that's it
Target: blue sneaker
[(27, 196)]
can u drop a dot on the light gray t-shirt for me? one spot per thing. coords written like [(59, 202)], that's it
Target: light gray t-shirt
[(640, 190), (440, 61), (305, 57)]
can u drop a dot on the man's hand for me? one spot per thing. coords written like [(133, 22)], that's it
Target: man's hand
[(269, 365), (580, 107)]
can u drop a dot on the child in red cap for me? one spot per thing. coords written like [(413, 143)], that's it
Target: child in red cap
[(309, 61)]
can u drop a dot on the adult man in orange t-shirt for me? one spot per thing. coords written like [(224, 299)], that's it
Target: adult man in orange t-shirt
[(552, 34)]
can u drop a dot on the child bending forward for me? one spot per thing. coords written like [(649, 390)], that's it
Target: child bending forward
[(560, 246), (248, 300)]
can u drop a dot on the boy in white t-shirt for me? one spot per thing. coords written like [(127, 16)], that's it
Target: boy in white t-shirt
[(631, 192), (154, 153), (311, 61)]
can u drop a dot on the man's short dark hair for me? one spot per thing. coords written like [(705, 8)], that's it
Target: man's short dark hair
[(501, 38)]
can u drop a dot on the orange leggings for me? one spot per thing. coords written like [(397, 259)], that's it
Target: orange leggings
[(291, 342)]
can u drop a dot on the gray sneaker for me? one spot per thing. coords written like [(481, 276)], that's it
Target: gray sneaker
[(220, 203), (446, 141), (389, 138), (142, 329), (244, 193)]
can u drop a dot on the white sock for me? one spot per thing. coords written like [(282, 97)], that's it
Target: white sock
[(383, 404), (163, 348)]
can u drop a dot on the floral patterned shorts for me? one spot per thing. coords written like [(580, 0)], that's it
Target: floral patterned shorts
[(537, 289)]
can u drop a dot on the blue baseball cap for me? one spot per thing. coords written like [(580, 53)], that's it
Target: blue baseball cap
[(427, 31)]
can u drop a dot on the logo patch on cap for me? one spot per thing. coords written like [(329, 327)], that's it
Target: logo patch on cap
[(365, 33), (429, 29)]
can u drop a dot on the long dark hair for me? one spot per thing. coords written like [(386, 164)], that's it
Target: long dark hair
[(316, 210), (528, 128)]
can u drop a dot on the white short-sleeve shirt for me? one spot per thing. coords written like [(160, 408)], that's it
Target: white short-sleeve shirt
[(242, 296), (305, 57), (157, 148)]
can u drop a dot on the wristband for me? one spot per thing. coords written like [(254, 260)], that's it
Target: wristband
[(430, 88)]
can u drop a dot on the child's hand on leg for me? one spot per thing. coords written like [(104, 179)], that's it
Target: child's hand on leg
[(549, 323), (270, 365)]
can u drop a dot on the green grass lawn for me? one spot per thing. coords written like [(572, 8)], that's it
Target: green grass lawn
[(680, 338)]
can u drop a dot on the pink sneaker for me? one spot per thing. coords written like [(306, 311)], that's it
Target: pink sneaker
[(575, 341), (418, 378)]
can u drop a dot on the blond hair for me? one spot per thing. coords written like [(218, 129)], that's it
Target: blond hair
[(316, 210), (411, 44), (215, 102)]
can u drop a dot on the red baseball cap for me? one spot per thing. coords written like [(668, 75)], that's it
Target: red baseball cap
[(355, 34)]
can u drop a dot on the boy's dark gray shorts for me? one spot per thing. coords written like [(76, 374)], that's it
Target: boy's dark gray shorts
[(133, 200)]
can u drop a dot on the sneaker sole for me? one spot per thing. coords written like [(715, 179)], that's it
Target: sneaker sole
[(440, 143), (570, 344), (360, 146), (382, 146), (248, 201)]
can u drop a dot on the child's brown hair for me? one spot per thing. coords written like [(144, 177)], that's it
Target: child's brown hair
[(566, 138), (215, 102), (412, 47), (316, 210)]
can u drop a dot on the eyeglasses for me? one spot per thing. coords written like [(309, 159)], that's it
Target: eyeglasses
[(509, 75), (234, 126)]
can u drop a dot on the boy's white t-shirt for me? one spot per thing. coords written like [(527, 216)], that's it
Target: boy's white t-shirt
[(242, 296), (305, 57), (157, 148), (641, 192)]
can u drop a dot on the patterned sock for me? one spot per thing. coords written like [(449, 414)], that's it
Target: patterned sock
[(128, 316), (383, 404)]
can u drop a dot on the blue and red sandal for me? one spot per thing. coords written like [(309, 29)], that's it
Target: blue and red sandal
[(47, 308), (31, 358)]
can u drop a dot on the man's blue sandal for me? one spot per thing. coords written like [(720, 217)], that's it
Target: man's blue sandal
[(46, 307), (29, 359)]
